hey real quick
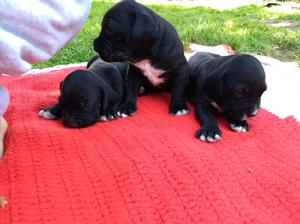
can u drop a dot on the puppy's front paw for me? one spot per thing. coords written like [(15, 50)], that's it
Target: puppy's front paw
[(178, 109), (209, 134), (127, 109), (51, 112), (111, 115), (46, 113), (239, 126)]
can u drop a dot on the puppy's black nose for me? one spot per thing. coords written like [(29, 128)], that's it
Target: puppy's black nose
[(254, 112), (101, 50), (70, 122)]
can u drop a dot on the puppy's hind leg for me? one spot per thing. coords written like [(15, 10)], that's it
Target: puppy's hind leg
[(178, 104), (52, 112)]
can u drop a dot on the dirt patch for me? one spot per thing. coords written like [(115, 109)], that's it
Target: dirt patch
[(290, 24)]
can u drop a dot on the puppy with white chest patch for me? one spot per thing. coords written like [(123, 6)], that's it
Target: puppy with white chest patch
[(89, 95), (134, 33), (232, 85)]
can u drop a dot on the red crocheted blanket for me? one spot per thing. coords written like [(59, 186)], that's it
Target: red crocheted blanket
[(144, 169)]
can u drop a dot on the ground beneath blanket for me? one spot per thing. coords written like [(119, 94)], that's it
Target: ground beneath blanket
[(144, 169)]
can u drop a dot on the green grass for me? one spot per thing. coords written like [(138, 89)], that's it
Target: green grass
[(246, 29)]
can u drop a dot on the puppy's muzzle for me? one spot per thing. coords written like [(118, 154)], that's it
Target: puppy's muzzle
[(253, 113), (69, 122), (102, 49)]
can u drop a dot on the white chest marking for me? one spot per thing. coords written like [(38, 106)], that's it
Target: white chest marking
[(215, 105), (152, 74)]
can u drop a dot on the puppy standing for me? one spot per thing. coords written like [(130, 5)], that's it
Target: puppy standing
[(230, 84), (89, 95), (134, 33)]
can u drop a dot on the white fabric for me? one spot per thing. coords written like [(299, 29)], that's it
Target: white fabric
[(4, 100), (34, 30)]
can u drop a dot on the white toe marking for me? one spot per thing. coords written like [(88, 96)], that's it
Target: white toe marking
[(202, 138), (103, 118), (238, 128), (119, 113), (40, 113), (46, 114), (244, 129), (231, 126), (183, 112), (210, 139), (179, 113), (217, 137), (124, 115)]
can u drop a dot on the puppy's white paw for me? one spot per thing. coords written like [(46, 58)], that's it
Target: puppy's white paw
[(239, 126), (124, 115), (209, 134), (210, 139), (103, 118), (182, 112), (46, 114), (179, 113)]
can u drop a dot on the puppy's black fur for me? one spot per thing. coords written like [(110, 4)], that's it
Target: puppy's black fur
[(230, 84), (89, 95), (134, 33)]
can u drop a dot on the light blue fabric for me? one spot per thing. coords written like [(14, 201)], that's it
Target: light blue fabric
[(4, 100)]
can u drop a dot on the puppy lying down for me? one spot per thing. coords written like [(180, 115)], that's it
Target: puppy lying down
[(89, 95), (232, 85)]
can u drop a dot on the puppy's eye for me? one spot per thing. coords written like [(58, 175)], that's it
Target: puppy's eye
[(240, 92)]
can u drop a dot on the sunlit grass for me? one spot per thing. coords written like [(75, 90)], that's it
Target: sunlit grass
[(245, 29)]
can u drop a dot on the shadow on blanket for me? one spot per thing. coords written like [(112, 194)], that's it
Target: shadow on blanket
[(144, 169)]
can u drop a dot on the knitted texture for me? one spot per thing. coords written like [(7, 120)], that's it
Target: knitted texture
[(143, 169)]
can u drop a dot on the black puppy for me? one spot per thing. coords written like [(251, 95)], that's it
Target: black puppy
[(90, 95), (230, 84), (134, 33)]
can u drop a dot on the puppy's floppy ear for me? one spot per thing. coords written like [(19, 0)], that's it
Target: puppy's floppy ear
[(213, 83), (144, 26)]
